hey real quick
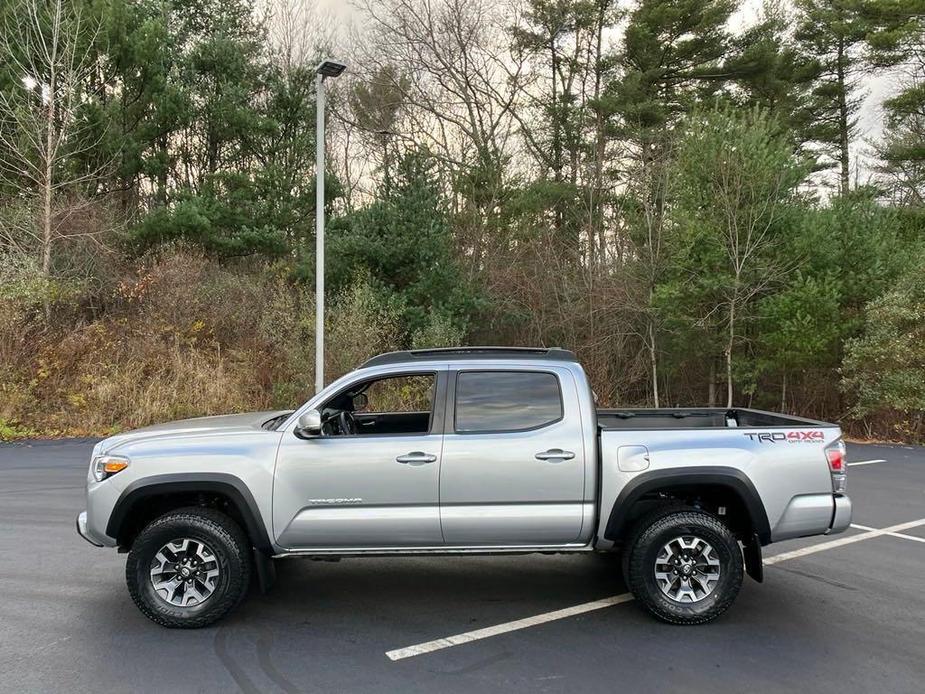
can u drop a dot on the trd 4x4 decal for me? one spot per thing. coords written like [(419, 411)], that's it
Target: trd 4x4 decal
[(812, 436)]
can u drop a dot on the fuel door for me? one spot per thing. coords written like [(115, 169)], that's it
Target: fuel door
[(632, 458)]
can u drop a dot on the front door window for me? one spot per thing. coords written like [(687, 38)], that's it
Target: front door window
[(396, 405)]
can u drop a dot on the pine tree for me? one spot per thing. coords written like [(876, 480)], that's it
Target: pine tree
[(376, 105), (671, 61), (402, 244), (833, 32), (228, 135), (771, 73), (565, 41), (897, 40)]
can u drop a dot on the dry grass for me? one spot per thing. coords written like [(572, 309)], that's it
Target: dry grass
[(181, 336), (178, 335)]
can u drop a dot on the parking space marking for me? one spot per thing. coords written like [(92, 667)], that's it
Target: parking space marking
[(865, 462), (546, 617), (900, 535), (832, 544), (468, 636)]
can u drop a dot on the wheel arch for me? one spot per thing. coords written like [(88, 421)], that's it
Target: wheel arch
[(727, 480), (147, 498)]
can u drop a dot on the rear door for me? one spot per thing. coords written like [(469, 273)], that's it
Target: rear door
[(513, 464)]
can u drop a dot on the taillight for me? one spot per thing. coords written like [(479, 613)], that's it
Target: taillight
[(836, 457), (836, 454)]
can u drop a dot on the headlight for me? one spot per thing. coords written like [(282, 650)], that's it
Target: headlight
[(105, 466)]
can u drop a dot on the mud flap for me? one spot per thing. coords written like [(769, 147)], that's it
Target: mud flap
[(754, 566), (265, 568)]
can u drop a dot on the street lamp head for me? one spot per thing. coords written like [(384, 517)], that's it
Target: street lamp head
[(330, 68)]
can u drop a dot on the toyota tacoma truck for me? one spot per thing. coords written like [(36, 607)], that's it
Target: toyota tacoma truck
[(461, 451)]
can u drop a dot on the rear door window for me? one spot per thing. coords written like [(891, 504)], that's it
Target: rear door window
[(506, 401)]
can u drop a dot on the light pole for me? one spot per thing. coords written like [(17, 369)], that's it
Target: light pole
[(327, 68)]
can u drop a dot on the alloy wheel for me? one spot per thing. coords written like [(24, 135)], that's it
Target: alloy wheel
[(184, 572), (687, 569)]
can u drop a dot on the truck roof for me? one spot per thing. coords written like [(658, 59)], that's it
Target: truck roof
[(471, 353)]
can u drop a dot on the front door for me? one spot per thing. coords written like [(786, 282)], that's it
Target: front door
[(513, 468), (372, 479)]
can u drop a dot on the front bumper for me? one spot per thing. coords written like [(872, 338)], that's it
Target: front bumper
[(82, 529), (841, 518)]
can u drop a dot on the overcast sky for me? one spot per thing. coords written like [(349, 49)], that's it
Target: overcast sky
[(875, 88)]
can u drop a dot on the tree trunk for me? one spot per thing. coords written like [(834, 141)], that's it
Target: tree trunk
[(783, 394), (162, 175), (46, 206), (596, 236), (843, 117), (386, 166), (653, 362), (48, 172), (729, 345), (48, 178), (711, 390), (556, 135)]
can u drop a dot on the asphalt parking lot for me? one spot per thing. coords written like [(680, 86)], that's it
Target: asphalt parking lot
[(837, 614)]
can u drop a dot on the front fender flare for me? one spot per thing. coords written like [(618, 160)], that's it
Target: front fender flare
[(216, 482)]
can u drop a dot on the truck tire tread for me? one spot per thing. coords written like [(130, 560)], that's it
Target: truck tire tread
[(654, 528), (227, 540)]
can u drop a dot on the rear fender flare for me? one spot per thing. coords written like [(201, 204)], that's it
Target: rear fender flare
[(734, 480)]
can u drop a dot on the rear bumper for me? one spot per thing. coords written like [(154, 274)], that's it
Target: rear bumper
[(82, 529), (841, 518), (813, 514)]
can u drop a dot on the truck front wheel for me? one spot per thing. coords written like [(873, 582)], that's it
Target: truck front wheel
[(684, 565), (188, 568)]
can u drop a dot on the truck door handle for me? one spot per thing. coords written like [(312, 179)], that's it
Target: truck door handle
[(555, 455), (416, 458)]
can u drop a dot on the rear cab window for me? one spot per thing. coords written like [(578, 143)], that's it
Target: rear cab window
[(506, 401)]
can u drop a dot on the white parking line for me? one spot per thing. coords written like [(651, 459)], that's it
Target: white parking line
[(904, 537), (850, 539), (506, 627), (468, 636), (865, 462)]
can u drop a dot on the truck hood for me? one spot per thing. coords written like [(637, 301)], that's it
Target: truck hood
[(221, 424)]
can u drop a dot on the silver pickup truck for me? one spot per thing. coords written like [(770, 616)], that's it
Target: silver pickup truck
[(473, 450)]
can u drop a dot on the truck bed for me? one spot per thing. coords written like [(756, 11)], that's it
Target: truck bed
[(698, 418)]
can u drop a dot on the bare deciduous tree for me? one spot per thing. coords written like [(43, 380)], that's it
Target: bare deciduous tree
[(645, 211), (49, 45), (463, 81)]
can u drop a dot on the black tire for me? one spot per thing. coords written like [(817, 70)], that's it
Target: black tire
[(652, 533), (232, 553)]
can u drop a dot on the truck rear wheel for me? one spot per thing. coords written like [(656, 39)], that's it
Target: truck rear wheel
[(684, 565), (188, 568)]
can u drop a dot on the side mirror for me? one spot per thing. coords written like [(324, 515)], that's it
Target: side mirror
[(309, 425)]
